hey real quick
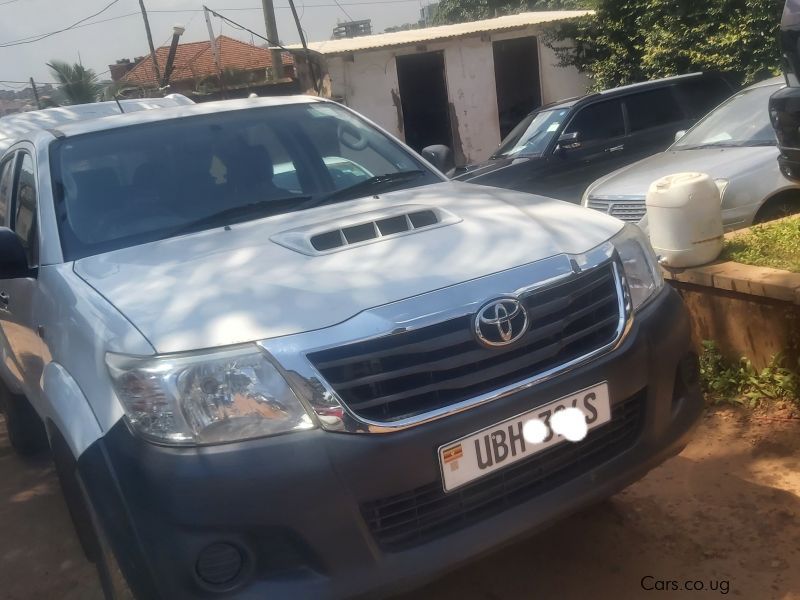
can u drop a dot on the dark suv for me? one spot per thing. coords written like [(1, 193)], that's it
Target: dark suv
[(559, 149)]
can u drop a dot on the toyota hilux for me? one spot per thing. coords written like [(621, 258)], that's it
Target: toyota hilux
[(316, 384)]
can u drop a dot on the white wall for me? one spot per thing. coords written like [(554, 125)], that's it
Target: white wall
[(367, 82), (559, 82)]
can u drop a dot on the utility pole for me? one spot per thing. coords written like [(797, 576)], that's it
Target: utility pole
[(156, 70), (215, 51), (36, 94), (312, 71), (272, 36)]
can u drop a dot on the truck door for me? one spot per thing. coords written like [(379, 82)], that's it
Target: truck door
[(23, 347)]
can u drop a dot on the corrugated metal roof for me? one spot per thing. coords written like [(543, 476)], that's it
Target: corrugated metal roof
[(429, 34)]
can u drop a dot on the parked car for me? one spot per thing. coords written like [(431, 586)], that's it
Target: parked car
[(560, 149), (258, 392), (735, 144)]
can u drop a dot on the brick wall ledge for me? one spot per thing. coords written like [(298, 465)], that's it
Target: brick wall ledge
[(766, 282), (775, 284)]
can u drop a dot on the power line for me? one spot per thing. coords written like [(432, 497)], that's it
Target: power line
[(32, 39), (80, 24)]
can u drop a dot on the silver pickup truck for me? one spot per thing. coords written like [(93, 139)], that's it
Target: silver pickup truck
[(277, 354)]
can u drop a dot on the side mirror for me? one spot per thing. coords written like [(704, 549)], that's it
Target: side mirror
[(679, 134), (784, 112), (440, 156), (13, 260), (569, 141)]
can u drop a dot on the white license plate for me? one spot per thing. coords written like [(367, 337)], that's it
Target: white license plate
[(503, 444)]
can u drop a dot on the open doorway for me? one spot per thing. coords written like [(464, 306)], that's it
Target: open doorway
[(516, 77), (423, 96)]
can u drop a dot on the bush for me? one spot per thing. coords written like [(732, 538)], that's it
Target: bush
[(741, 383), (635, 40)]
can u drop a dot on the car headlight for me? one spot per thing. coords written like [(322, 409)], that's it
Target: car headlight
[(722, 185), (640, 264), (585, 197), (206, 397)]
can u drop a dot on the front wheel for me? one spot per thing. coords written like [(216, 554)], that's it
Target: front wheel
[(777, 210)]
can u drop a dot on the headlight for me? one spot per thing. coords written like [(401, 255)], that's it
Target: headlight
[(585, 197), (206, 398), (640, 264), (722, 185)]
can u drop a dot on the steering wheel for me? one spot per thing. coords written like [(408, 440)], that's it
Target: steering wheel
[(351, 136)]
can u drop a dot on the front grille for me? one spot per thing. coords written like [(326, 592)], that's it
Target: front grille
[(427, 512), (632, 210), (411, 373)]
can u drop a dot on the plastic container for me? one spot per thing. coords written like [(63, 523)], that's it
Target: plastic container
[(685, 219)]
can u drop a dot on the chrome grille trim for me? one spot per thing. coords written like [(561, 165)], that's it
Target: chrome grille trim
[(628, 208), (289, 353)]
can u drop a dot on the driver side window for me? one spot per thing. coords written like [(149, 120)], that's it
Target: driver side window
[(598, 122), (6, 185), (24, 207)]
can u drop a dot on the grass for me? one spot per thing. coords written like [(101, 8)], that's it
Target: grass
[(725, 381), (775, 244)]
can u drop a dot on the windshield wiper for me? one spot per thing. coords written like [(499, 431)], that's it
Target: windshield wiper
[(368, 186), (233, 214)]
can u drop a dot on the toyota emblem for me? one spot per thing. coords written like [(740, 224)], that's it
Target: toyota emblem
[(501, 322)]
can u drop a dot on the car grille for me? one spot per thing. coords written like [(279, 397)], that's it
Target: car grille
[(427, 512), (632, 209), (411, 373)]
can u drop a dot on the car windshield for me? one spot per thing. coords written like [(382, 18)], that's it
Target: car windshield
[(743, 120), (131, 185), (533, 133)]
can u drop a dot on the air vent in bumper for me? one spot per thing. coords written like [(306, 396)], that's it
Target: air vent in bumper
[(420, 515)]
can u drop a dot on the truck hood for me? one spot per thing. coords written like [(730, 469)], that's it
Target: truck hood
[(719, 163), (235, 285)]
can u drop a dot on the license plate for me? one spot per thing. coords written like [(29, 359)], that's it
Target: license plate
[(496, 447)]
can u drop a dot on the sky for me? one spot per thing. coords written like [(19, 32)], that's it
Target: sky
[(101, 44)]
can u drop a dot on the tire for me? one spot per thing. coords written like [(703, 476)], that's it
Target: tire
[(777, 210), (26, 431), (87, 525)]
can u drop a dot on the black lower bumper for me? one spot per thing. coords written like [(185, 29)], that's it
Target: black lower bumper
[(300, 515)]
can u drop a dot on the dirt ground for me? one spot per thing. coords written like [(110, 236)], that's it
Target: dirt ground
[(725, 514)]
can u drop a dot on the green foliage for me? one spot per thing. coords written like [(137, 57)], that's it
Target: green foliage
[(741, 383), (775, 244), (76, 84), (459, 11), (634, 40)]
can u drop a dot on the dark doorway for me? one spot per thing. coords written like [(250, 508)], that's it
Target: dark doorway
[(423, 96), (516, 77)]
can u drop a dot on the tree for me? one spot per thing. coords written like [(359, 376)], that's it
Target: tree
[(76, 84), (458, 11), (634, 40)]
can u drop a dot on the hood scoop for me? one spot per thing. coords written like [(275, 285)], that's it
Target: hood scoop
[(364, 228)]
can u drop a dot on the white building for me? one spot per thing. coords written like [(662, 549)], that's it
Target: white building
[(463, 85)]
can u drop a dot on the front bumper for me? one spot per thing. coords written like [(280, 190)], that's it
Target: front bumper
[(293, 506)]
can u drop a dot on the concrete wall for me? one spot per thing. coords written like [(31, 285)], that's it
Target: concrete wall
[(367, 82)]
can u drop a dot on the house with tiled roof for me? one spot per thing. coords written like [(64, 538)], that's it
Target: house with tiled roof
[(195, 70)]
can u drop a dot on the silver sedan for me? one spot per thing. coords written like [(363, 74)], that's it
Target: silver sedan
[(735, 144)]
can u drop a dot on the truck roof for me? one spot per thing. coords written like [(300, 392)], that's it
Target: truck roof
[(14, 126), (68, 128)]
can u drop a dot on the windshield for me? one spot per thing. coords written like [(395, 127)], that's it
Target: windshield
[(743, 120), (533, 133), (132, 185)]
